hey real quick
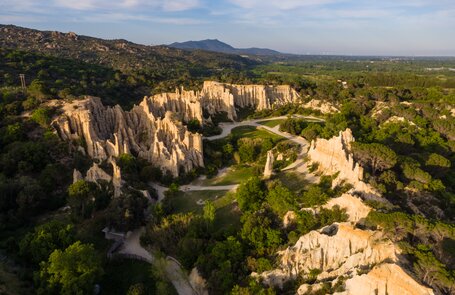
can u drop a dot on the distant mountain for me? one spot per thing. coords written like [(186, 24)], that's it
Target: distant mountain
[(118, 54), (218, 46)]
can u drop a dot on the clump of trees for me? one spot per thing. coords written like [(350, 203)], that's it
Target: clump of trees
[(71, 271)]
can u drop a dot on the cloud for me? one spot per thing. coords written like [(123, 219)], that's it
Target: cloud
[(281, 4), (122, 17), (165, 5)]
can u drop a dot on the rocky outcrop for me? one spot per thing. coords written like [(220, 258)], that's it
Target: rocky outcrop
[(268, 169), (323, 106), (185, 104), (222, 97), (355, 208), (215, 97), (197, 282), (335, 250), (96, 173), (109, 132), (384, 279), (334, 156)]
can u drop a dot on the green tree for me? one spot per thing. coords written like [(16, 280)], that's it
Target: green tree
[(209, 212), (314, 196), (375, 155), (281, 199), (81, 197), (42, 116), (71, 271), (250, 194), (36, 246), (258, 232)]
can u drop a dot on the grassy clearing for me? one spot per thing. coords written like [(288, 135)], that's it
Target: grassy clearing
[(235, 174), (186, 202), (296, 182), (228, 218), (253, 132), (227, 212), (271, 123)]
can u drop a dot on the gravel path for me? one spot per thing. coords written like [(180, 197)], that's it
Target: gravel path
[(174, 272)]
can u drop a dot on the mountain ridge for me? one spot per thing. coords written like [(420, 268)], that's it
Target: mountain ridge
[(222, 47)]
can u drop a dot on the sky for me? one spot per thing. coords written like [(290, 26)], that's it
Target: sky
[(348, 27)]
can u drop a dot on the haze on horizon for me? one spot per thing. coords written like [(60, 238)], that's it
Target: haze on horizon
[(349, 27)]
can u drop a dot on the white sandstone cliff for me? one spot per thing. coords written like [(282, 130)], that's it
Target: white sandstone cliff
[(334, 156), (109, 132)]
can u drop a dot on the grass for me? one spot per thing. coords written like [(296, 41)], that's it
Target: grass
[(227, 212), (186, 202), (228, 219), (271, 123), (235, 174), (294, 181), (253, 132)]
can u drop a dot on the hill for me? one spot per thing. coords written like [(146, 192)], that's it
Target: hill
[(118, 54), (127, 70), (218, 46)]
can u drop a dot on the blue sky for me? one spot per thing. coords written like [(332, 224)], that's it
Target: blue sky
[(379, 27)]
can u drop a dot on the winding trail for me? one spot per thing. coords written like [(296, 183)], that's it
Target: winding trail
[(132, 246), (299, 164), (173, 269)]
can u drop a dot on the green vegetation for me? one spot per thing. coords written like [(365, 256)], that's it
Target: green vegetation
[(72, 271), (409, 160), (253, 133), (271, 123), (133, 277), (185, 202)]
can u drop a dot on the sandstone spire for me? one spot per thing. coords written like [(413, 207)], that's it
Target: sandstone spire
[(268, 170)]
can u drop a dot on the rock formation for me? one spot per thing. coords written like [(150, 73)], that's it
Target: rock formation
[(109, 132), (153, 129), (268, 169), (341, 250), (336, 250), (355, 208), (322, 106), (334, 156), (222, 97), (218, 97), (96, 173), (198, 282), (384, 279)]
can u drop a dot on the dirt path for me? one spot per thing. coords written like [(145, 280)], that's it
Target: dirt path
[(174, 272), (227, 127)]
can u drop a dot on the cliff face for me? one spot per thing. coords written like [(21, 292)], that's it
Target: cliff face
[(342, 250), (109, 132), (333, 156), (386, 278), (336, 250), (222, 97), (153, 129)]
